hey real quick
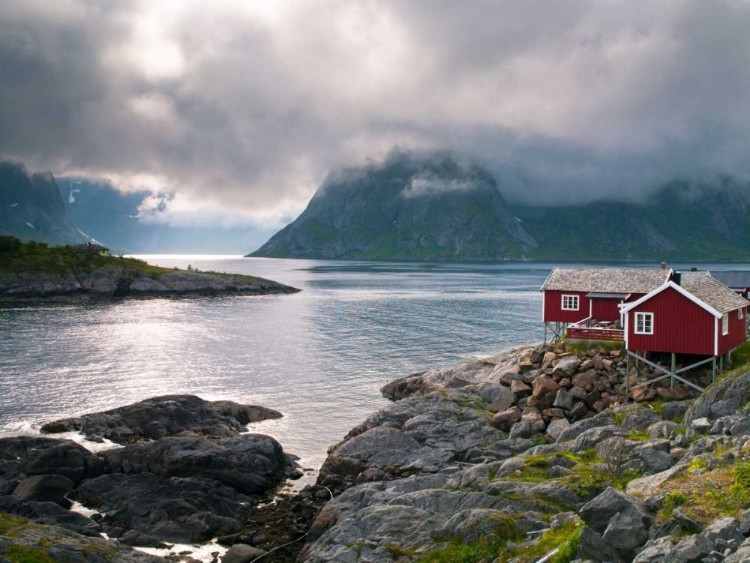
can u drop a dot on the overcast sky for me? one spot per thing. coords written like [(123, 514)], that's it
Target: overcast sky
[(242, 107)]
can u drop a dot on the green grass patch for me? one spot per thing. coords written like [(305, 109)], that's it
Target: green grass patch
[(38, 257), (458, 552), (566, 539), (741, 486), (588, 482), (25, 554), (710, 495), (741, 354), (8, 523), (698, 463), (492, 545), (671, 501), (638, 435), (568, 549)]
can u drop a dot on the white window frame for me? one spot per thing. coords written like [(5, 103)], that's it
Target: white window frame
[(739, 314), (725, 324), (574, 299), (644, 316)]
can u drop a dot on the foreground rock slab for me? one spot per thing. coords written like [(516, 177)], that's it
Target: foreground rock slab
[(22, 540), (164, 416), (188, 472)]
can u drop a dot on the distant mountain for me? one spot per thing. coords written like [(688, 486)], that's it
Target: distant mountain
[(31, 207), (409, 207), (680, 221), (432, 207)]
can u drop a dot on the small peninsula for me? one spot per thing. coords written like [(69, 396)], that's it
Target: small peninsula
[(33, 270)]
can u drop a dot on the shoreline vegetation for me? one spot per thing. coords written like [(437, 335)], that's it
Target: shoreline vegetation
[(499, 460), (32, 271)]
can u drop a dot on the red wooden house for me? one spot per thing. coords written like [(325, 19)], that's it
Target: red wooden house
[(580, 300), (692, 313), (650, 310)]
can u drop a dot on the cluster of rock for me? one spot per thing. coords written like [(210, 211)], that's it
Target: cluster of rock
[(437, 467), (118, 281), (186, 473), (542, 390)]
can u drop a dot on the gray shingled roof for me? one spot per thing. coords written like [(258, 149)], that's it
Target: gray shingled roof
[(712, 292), (605, 280), (738, 279)]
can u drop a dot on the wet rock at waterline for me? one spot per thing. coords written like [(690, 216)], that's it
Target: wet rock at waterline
[(164, 416)]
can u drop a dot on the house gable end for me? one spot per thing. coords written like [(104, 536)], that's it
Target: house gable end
[(670, 284)]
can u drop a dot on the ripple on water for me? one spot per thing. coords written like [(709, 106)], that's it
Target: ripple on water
[(320, 357)]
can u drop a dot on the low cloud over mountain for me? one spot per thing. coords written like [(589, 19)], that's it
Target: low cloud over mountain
[(245, 106)]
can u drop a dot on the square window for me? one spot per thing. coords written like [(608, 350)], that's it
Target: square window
[(644, 323), (570, 302)]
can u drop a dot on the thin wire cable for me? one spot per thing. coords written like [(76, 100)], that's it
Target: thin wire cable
[(291, 542)]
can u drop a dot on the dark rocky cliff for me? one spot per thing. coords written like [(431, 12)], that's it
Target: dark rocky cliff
[(31, 207), (411, 207)]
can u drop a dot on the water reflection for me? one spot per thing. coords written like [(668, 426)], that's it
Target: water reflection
[(319, 356)]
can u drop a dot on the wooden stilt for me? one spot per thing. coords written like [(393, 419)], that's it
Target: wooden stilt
[(666, 373), (713, 371), (721, 364), (545, 334), (674, 368), (627, 378)]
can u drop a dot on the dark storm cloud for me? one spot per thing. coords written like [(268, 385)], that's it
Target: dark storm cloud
[(243, 107)]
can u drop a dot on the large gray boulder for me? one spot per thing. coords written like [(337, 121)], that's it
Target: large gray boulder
[(734, 387), (169, 509), (485, 374), (158, 417), (726, 529), (44, 488), (575, 430), (675, 410), (692, 549), (250, 463), (598, 513), (640, 419), (657, 551), (415, 435), (593, 547), (626, 533), (27, 456), (241, 553), (50, 513)]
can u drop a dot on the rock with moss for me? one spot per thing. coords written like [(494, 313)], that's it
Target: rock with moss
[(734, 387), (623, 470), (25, 541), (33, 271)]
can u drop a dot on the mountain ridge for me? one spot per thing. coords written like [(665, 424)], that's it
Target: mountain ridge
[(410, 207), (465, 217)]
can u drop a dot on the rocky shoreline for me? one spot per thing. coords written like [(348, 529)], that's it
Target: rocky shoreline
[(511, 458), (500, 460), (186, 472), (108, 283)]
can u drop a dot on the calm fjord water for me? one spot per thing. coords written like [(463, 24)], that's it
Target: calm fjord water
[(319, 356)]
